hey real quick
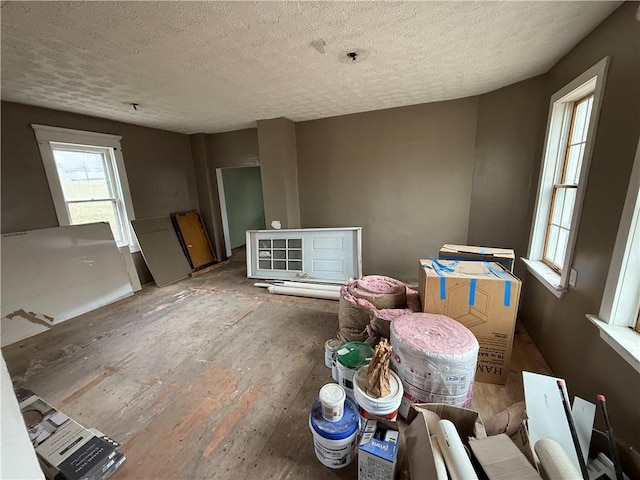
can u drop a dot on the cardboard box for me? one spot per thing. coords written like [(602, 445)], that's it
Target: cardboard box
[(504, 256), (483, 297), (421, 423), (378, 450), (501, 459), (65, 449)]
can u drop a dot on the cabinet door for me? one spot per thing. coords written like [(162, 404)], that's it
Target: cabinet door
[(328, 255)]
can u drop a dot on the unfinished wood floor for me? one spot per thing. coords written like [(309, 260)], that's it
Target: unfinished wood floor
[(207, 378)]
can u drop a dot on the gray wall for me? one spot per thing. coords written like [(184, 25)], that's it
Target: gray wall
[(403, 174), (278, 159), (243, 199), (158, 163), (567, 340), (220, 150), (508, 148)]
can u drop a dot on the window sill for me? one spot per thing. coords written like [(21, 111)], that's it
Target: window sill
[(624, 340), (548, 277)]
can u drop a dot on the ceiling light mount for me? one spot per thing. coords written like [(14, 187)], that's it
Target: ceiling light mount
[(353, 56)]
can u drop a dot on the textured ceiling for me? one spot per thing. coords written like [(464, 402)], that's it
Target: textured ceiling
[(218, 66)]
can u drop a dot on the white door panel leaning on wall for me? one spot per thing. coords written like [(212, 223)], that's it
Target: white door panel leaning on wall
[(314, 254)]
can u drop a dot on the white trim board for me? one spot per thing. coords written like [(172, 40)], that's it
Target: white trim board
[(223, 212)]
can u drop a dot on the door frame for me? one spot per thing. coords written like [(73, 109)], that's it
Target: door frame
[(223, 213), (223, 204)]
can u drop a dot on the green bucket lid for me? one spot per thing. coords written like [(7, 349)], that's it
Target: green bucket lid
[(354, 354)]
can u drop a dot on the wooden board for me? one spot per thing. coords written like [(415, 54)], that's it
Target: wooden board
[(54, 274), (194, 239), (161, 250)]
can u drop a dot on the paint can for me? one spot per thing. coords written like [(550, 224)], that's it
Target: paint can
[(384, 407), (349, 358), (332, 397), (335, 443), (330, 346)]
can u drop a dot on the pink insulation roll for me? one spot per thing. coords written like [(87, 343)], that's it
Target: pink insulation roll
[(382, 292), (369, 305), (435, 357)]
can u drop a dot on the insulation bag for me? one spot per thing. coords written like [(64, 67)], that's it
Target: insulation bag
[(353, 318), (435, 358), (382, 292), (368, 306)]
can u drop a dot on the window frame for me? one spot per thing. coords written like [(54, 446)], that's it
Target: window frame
[(556, 139), (617, 319), (561, 181), (48, 138)]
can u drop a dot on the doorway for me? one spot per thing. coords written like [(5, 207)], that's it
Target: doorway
[(241, 204)]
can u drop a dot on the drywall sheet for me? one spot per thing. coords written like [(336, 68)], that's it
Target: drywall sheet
[(54, 274), (161, 249), (17, 457), (130, 267)]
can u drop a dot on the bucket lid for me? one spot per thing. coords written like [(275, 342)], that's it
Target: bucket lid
[(343, 428), (354, 354), (384, 404), (332, 394)]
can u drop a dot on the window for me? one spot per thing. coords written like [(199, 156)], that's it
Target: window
[(88, 182), (571, 129), (563, 195), (618, 317)]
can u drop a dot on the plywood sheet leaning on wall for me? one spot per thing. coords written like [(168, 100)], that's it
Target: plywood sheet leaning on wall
[(161, 250), (194, 239), (54, 274)]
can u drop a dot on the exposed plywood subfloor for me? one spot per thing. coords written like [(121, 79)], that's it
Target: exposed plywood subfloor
[(207, 378)]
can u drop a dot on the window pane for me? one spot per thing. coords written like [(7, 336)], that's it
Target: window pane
[(574, 162), (295, 243), (295, 265), (295, 254), (264, 264), (558, 202), (264, 243), (282, 243), (279, 265), (581, 121), (563, 237), (567, 208), (88, 212), (552, 243), (82, 175), (280, 254)]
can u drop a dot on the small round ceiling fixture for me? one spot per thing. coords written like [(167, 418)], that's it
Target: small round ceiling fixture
[(353, 56)]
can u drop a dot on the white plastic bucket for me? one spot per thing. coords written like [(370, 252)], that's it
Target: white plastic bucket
[(335, 443), (385, 407), (332, 397), (330, 346)]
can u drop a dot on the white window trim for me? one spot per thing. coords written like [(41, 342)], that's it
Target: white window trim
[(46, 135), (594, 78), (619, 306)]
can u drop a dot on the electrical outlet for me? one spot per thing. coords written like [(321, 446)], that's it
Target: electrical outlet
[(573, 277)]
